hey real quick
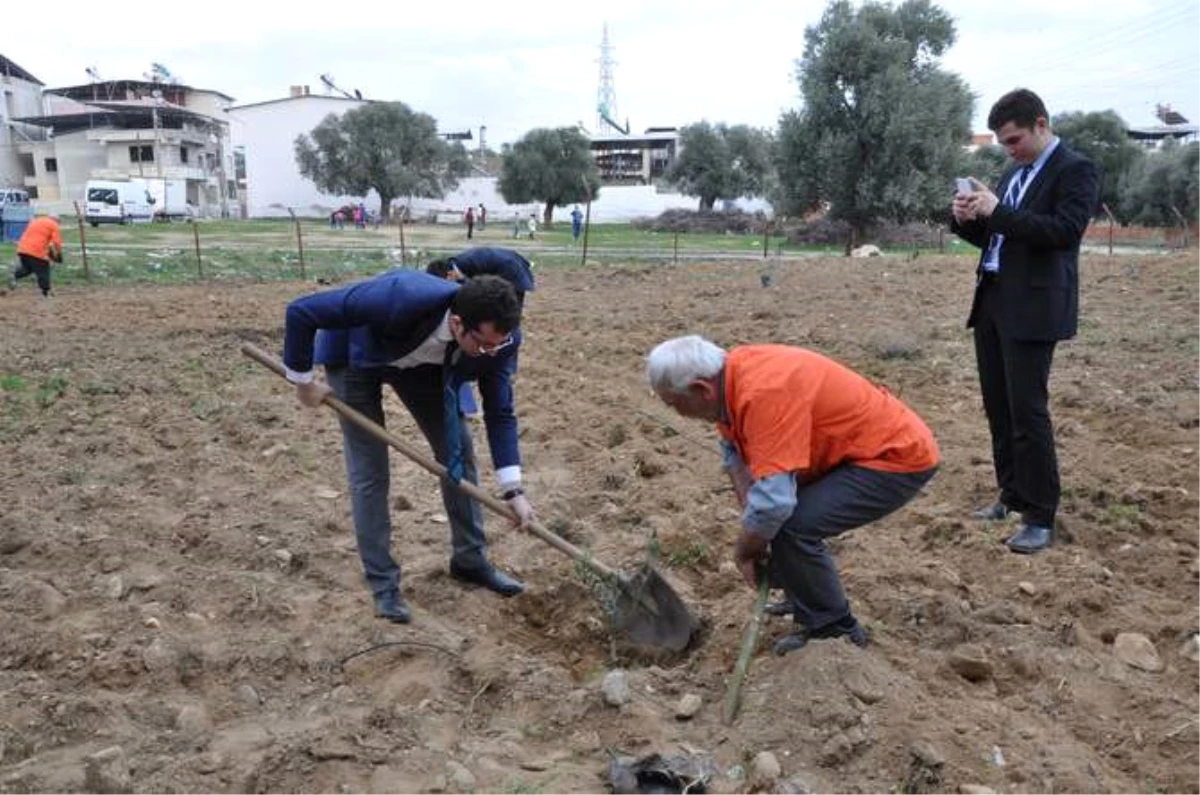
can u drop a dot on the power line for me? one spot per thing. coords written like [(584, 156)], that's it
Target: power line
[(1101, 44)]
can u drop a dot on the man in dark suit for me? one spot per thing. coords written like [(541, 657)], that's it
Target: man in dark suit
[(502, 262), (1026, 300), (422, 336)]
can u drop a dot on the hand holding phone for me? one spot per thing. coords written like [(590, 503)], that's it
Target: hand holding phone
[(963, 186)]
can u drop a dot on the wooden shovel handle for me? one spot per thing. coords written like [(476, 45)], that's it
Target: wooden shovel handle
[(497, 506)]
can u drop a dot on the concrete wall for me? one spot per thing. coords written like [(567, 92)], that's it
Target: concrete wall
[(268, 132), (18, 98), (614, 205), (77, 156)]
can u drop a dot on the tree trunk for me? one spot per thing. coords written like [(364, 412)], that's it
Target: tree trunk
[(548, 216), (853, 238), (706, 203), (385, 207)]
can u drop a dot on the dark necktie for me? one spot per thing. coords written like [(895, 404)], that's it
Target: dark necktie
[(452, 423), (1017, 186)]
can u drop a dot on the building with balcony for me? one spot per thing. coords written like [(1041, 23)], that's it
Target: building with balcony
[(129, 128), (635, 159)]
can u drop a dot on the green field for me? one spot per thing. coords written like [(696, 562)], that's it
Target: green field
[(268, 250)]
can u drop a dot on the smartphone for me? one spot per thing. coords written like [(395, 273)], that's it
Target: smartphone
[(963, 185)]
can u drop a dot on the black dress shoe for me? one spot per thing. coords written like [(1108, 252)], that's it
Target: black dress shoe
[(995, 512), (392, 606), (489, 577), (847, 628), (1031, 538)]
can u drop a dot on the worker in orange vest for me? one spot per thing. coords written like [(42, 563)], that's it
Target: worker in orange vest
[(40, 244)]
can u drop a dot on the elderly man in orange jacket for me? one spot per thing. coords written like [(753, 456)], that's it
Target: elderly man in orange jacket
[(40, 244), (813, 449)]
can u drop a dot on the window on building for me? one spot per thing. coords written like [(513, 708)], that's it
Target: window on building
[(183, 154), (51, 165), (141, 154)]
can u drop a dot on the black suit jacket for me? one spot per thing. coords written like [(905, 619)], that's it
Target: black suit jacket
[(1039, 261)]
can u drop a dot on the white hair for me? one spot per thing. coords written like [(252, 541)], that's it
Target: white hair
[(674, 364)]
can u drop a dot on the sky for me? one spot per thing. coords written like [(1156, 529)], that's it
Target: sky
[(512, 67)]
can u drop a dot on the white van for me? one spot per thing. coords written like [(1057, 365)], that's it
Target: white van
[(118, 202)]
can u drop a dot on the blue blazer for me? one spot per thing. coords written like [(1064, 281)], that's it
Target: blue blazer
[(502, 262), (375, 322)]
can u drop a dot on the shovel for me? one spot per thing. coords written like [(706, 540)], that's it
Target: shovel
[(644, 607)]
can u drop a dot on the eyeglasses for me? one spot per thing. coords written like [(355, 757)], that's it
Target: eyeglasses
[(489, 350)]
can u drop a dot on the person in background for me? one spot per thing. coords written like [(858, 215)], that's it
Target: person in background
[(502, 262), (40, 244), (576, 224), (532, 225), (469, 220), (482, 216)]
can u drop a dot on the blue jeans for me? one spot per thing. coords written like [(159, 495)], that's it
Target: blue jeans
[(841, 500), (420, 389)]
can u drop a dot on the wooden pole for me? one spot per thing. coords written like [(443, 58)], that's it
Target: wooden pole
[(1182, 224), (82, 240), (1111, 223), (196, 237), (403, 251), (299, 241), (766, 237), (676, 246), (733, 695), (587, 220)]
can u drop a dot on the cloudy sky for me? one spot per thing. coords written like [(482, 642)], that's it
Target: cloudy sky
[(532, 63)]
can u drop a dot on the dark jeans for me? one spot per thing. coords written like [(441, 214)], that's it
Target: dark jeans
[(40, 268), (843, 499), (420, 389), (1014, 377)]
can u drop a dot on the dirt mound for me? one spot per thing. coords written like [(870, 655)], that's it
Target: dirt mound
[(183, 609)]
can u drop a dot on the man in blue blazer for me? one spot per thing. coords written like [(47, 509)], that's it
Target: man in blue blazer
[(1026, 300), (502, 262), (479, 261), (422, 336)]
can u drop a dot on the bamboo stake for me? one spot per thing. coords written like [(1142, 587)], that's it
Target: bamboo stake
[(733, 695)]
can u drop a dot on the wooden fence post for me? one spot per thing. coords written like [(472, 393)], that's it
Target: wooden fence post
[(299, 241), (199, 263), (82, 240)]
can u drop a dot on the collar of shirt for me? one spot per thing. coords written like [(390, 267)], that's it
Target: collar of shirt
[(432, 349), (1041, 161)]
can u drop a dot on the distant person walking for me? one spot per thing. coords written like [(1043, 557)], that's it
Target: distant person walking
[(40, 244), (469, 220), (532, 225), (576, 224), (516, 225), (482, 216)]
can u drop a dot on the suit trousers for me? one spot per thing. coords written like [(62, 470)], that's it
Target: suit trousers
[(845, 498), (368, 472), (1014, 377)]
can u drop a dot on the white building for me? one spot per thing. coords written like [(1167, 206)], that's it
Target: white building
[(20, 96), (265, 133)]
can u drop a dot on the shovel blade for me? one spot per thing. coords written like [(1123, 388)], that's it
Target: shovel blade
[(650, 614)]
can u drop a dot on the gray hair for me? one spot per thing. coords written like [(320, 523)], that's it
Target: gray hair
[(674, 364)]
